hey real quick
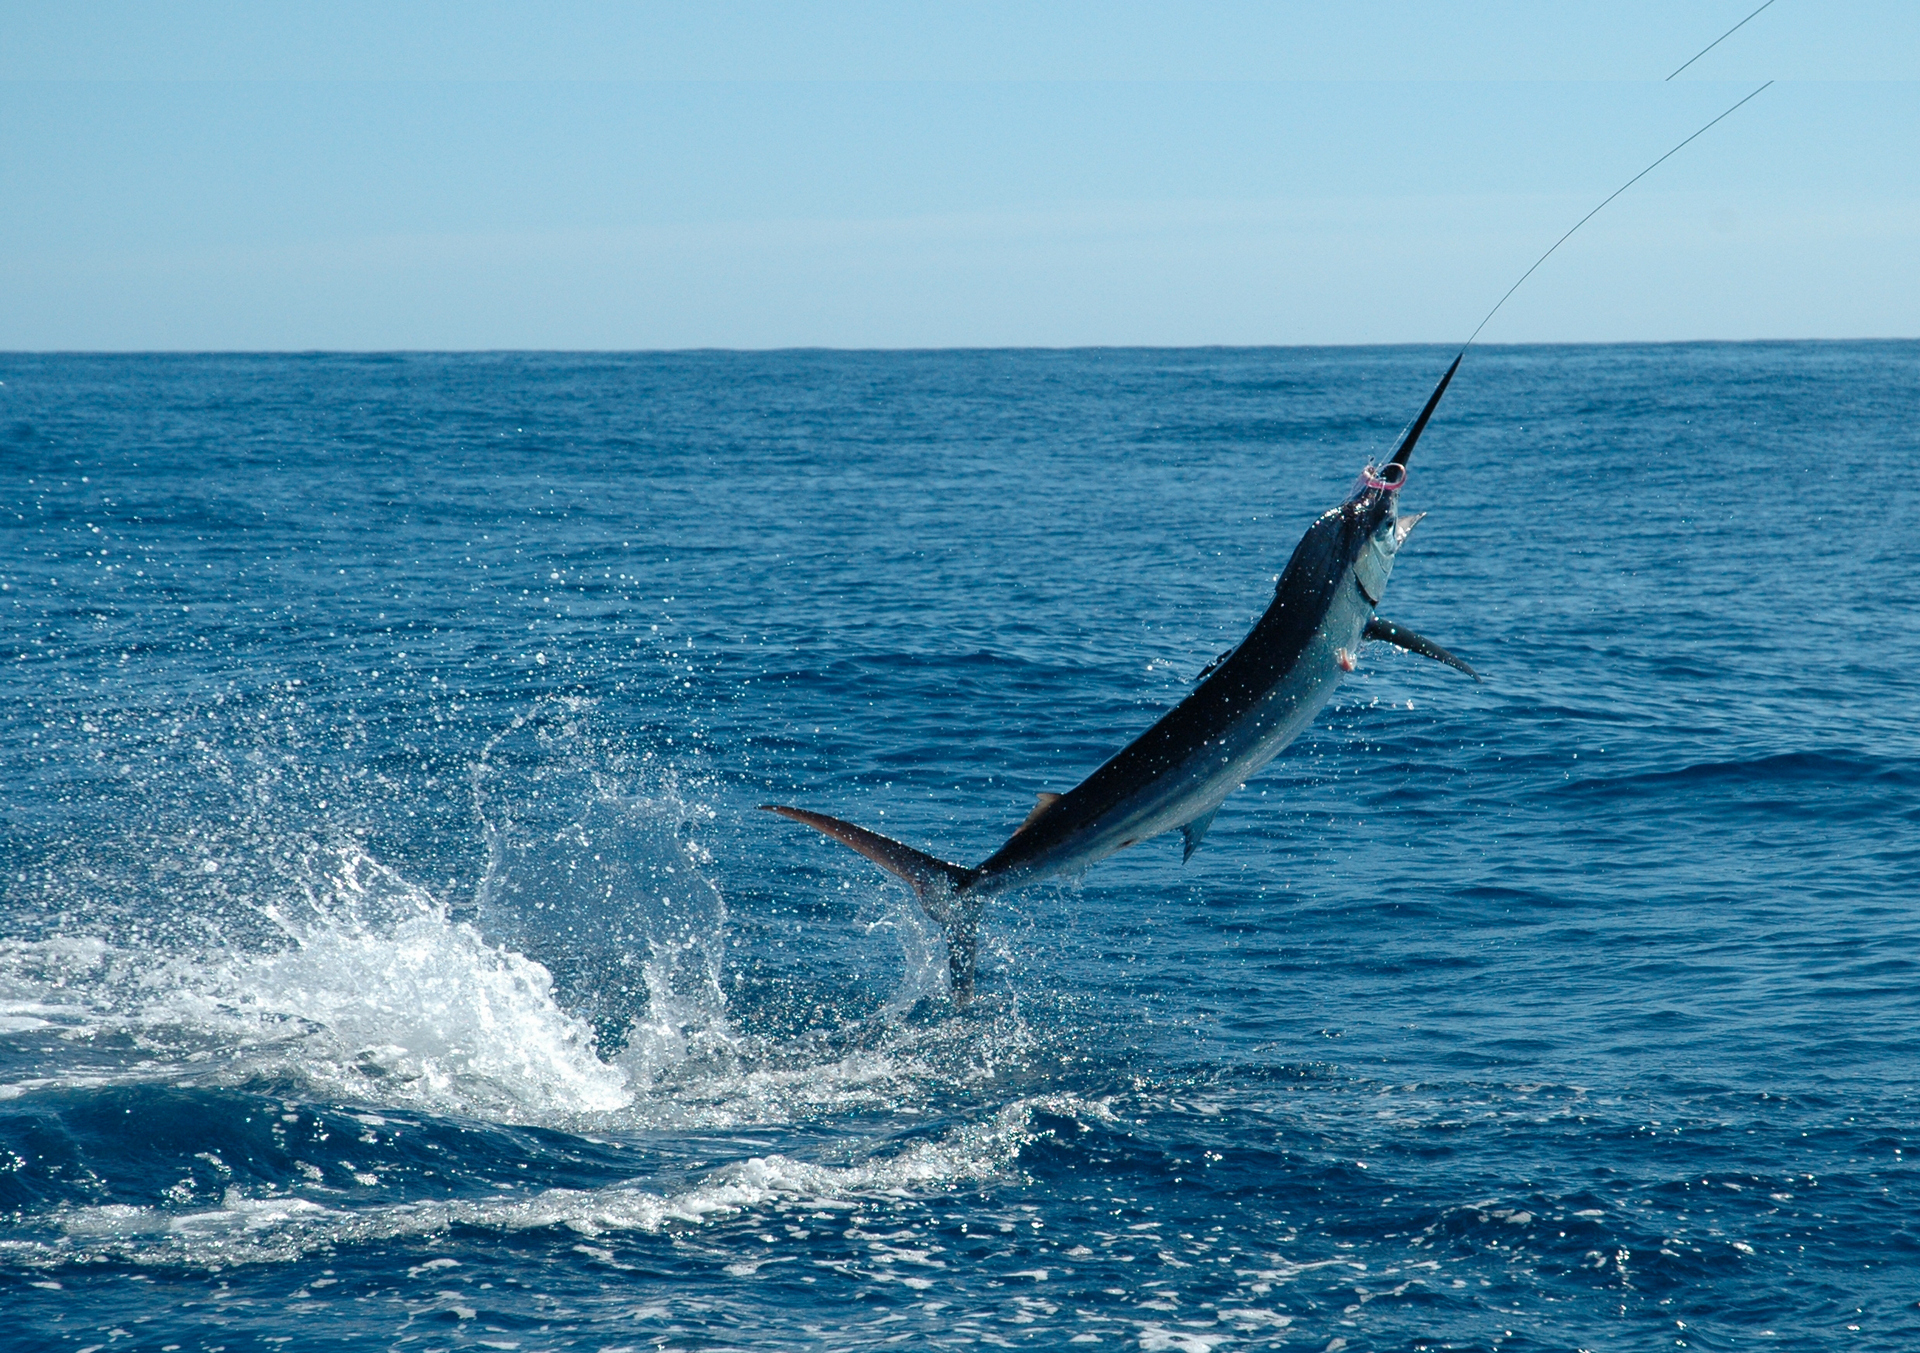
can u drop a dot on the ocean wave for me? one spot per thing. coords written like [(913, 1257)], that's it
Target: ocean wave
[(1845, 770), (252, 1230)]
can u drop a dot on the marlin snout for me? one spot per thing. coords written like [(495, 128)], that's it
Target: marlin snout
[(1420, 423)]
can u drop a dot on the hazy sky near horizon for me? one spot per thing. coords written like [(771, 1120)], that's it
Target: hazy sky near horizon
[(433, 175)]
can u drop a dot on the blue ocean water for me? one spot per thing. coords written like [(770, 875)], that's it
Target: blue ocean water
[(391, 954)]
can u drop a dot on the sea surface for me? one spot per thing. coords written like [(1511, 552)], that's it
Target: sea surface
[(392, 955)]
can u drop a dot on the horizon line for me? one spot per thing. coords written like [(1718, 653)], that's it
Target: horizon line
[(823, 348)]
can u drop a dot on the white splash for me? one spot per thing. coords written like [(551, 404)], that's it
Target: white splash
[(382, 997)]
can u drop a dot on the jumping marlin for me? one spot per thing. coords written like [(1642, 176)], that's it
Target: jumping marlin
[(1250, 703)]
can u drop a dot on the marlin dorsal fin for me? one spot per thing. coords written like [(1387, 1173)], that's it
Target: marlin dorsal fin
[(1042, 801), (1401, 637), (1195, 830), (1211, 667)]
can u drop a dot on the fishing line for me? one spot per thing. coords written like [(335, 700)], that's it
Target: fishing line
[(1412, 433), (1722, 38), (1610, 196)]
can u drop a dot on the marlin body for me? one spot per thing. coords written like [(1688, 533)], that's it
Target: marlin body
[(1249, 704)]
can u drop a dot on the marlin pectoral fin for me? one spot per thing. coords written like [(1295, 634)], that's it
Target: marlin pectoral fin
[(1194, 830), (1401, 637)]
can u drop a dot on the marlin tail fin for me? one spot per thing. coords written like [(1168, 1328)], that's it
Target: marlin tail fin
[(936, 883)]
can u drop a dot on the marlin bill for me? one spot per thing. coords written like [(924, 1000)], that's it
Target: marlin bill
[(1247, 705)]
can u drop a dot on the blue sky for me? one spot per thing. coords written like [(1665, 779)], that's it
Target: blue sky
[(377, 176)]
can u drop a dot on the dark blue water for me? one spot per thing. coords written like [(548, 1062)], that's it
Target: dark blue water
[(391, 954)]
